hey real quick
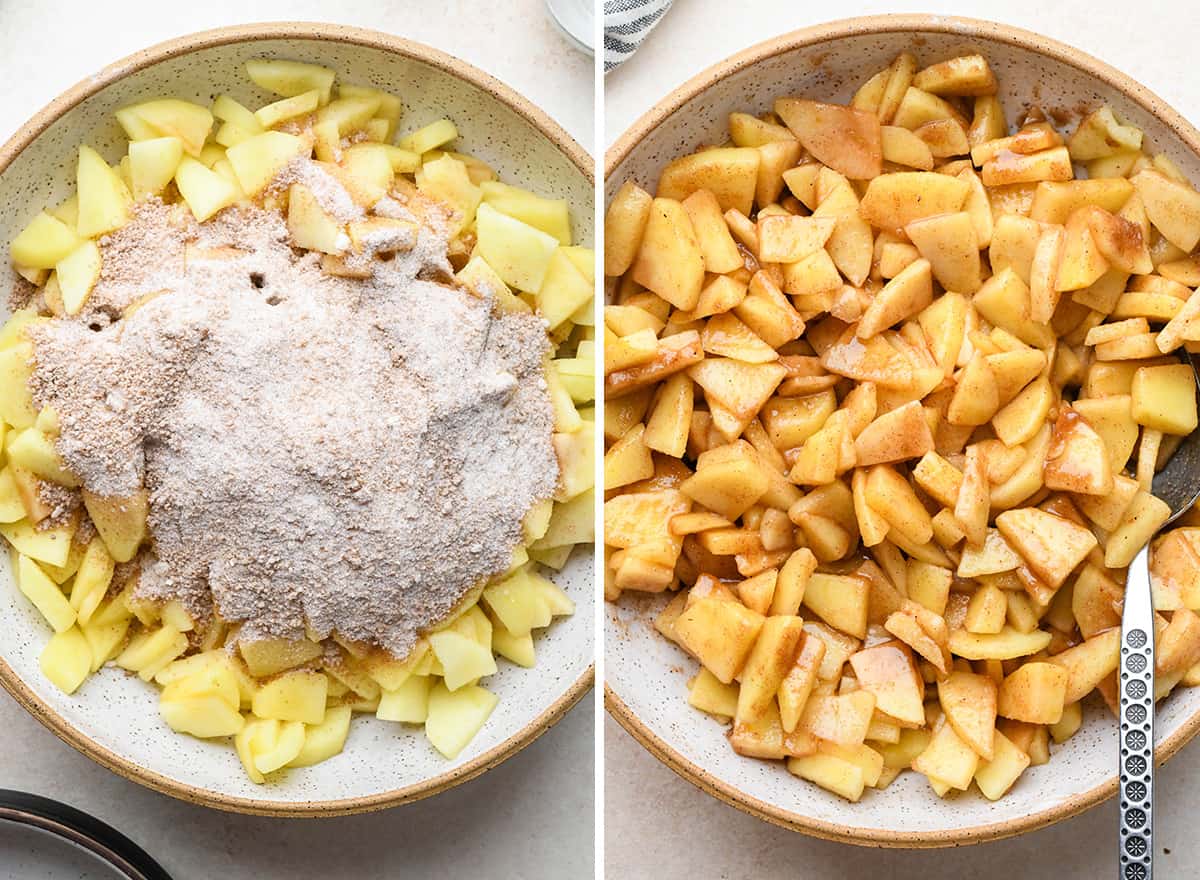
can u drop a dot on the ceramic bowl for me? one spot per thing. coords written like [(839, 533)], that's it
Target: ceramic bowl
[(113, 718), (646, 675)]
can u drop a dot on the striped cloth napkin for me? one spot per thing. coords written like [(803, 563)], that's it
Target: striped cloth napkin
[(626, 24)]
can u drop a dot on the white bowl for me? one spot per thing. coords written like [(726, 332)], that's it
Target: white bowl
[(646, 675), (114, 717)]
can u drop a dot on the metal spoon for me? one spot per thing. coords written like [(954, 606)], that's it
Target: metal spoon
[(1178, 484)]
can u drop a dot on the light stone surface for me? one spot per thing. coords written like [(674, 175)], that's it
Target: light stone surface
[(531, 817), (656, 824)]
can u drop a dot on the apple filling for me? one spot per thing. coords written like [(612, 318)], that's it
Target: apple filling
[(887, 385), (297, 419)]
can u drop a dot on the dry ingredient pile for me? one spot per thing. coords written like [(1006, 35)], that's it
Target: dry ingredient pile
[(322, 454)]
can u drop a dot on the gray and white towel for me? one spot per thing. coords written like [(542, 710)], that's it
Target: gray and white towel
[(626, 24)]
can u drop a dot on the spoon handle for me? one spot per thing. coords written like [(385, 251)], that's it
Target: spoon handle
[(1136, 855)]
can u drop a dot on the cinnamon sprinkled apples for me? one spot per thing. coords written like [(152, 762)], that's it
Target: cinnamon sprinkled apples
[(894, 460)]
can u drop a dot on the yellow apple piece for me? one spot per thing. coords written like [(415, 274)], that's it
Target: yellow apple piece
[(1164, 398), (889, 672), (1077, 460), (51, 546), (987, 610), (204, 704), (709, 695), (966, 75), (519, 253), (902, 147), (149, 652), (769, 661), (77, 274), (257, 160), (891, 496), (893, 201), (797, 684), (729, 173), (288, 108), (33, 451), (265, 657), (831, 773), (624, 224), (1008, 644), (518, 649), (1051, 545), (842, 719), (995, 776), (721, 634), (728, 486), (1100, 134), (45, 595), (843, 138), (669, 261), (564, 290), (323, 741), (293, 696), (168, 117), (947, 759), (278, 744), (429, 137), (839, 600), (310, 227), (1143, 517), (43, 243), (903, 296), (517, 603), (205, 191), (900, 434), (290, 78), (152, 164), (1112, 418), (949, 243), (1034, 693), (121, 521), (455, 717), (1173, 207), (103, 198), (407, 703), (969, 703), (12, 499), (91, 580), (552, 216), (229, 110), (66, 660), (464, 660)]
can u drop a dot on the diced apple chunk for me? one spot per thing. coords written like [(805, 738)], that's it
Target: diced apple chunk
[(293, 696), (455, 717), (257, 160), (103, 198), (66, 660)]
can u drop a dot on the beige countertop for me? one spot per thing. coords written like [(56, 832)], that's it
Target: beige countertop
[(659, 826), (532, 817)]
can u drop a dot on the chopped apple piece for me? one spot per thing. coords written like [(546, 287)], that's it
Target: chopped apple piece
[(455, 717), (843, 138), (1051, 545), (103, 198)]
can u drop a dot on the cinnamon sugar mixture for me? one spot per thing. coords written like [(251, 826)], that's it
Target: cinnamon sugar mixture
[(321, 454)]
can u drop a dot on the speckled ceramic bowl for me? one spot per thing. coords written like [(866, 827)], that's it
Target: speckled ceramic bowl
[(646, 675), (113, 718)]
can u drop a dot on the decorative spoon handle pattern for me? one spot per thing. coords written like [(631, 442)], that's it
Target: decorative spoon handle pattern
[(1137, 724)]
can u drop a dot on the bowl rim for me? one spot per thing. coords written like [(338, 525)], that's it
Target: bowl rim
[(967, 28), (333, 33)]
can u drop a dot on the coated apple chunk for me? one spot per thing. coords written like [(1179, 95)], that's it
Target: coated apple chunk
[(897, 377)]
